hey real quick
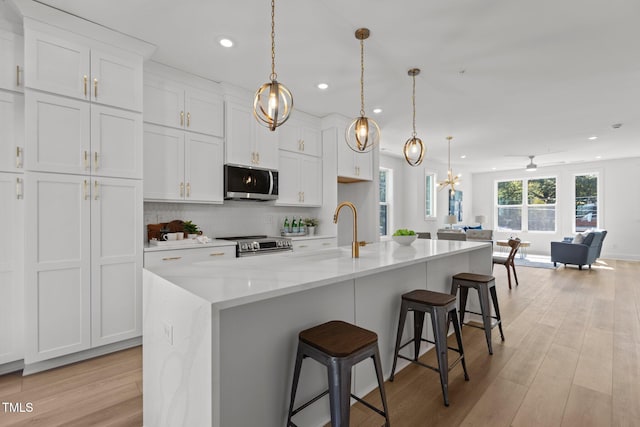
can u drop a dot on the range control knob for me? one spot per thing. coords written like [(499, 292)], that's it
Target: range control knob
[(256, 246)]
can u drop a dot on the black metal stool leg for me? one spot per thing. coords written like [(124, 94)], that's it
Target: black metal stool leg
[(439, 321), (403, 317), (294, 385), (496, 307), (383, 396), (418, 324), (456, 327), (483, 296), (464, 292), (339, 393)]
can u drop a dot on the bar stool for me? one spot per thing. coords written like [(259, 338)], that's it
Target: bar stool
[(485, 285), (339, 346), (442, 308)]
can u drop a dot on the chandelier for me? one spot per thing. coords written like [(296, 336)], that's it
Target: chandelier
[(273, 102), (414, 148), (451, 180), (363, 133)]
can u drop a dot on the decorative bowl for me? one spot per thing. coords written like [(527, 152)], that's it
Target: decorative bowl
[(404, 240)]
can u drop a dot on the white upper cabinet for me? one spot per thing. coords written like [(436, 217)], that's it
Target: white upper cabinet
[(11, 132), (298, 136), (173, 104), (353, 166), (70, 136), (66, 64), (11, 61), (182, 166), (247, 143), (299, 180)]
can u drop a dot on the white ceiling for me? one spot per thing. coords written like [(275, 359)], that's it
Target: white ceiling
[(505, 78)]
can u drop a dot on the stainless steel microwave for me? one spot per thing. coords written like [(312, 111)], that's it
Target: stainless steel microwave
[(245, 183)]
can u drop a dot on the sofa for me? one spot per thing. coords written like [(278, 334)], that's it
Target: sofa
[(483, 235), (578, 252)]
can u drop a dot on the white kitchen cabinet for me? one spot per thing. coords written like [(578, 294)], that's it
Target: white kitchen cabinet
[(11, 61), (69, 136), (299, 180), (188, 255), (311, 243), (172, 104), (353, 166), (66, 64), (11, 131), (116, 260), (57, 265), (247, 143), (11, 268), (182, 166), (299, 137), (83, 263)]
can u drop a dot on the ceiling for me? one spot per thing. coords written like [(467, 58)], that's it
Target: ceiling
[(507, 79)]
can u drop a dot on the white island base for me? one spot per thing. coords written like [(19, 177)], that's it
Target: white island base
[(220, 337)]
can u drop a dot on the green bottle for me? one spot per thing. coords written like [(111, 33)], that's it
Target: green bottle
[(285, 226), (294, 225)]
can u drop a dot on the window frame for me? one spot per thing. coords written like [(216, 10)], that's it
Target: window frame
[(430, 204), (524, 205), (388, 202), (600, 215)]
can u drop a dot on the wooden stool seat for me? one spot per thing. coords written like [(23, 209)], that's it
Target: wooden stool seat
[(473, 277), (339, 346), (442, 310), (337, 338), (429, 297)]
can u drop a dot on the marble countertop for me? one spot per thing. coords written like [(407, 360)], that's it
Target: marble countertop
[(231, 282)]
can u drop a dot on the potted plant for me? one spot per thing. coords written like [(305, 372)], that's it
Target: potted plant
[(311, 224), (191, 229)]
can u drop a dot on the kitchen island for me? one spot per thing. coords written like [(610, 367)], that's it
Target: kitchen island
[(219, 337)]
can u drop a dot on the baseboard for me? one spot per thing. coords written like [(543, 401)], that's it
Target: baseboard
[(56, 362), (7, 368)]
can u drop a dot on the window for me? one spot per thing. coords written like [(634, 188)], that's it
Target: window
[(386, 198), (586, 202), (539, 211), (541, 204), (429, 196), (509, 205)]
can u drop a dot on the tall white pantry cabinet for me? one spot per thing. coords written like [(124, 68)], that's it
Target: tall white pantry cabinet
[(83, 197)]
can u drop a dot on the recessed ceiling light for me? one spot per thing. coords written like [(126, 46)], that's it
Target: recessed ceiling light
[(464, 156), (592, 138), (225, 42), (377, 110), (323, 86), (493, 169), (598, 157)]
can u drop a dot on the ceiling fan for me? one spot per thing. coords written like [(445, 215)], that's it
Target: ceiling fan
[(531, 166)]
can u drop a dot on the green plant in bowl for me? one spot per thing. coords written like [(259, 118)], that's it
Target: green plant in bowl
[(404, 236), (190, 228), (404, 232)]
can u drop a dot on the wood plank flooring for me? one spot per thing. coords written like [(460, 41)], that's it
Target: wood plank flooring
[(571, 358)]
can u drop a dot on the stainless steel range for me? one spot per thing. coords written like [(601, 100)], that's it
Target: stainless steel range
[(259, 245)]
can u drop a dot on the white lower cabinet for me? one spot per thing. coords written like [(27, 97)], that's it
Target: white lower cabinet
[(11, 268), (188, 255), (83, 262), (182, 166), (299, 180), (313, 243)]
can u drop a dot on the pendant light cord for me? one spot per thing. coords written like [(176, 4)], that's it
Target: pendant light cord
[(273, 76), (362, 77), (413, 100)]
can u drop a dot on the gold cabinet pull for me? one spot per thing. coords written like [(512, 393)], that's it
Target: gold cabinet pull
[(253, 157), (95, 160), (258, 158), (19, 157), (85, 85), (182, 189), (303, 246), (95, 88), (302, 145), (303, 197), (326, 244), (181, 118), (188, 189), (188, 119), (17, 75), (171, 258), (19, 192), (216, 254), (85, 192), (95, 190), (86, 160)]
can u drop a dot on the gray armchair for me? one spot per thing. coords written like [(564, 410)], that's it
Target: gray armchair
[(579, 254)]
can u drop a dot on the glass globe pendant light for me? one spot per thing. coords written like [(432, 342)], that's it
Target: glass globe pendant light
[(414, 148), (363, 133), (273, 102)]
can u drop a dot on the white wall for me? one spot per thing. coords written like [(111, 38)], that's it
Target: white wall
[(619, 209)]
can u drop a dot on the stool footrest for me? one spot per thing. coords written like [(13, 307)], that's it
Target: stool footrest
[(310, 402), (433, 368), (493, 324), (429, 341), (369, 405)]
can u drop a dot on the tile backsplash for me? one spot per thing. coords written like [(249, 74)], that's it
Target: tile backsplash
[(234, 218)]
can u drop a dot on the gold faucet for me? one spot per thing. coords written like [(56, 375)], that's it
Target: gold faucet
[(355, 245)]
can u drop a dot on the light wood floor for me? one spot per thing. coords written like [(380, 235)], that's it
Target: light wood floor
[(571, 358)]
